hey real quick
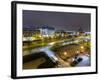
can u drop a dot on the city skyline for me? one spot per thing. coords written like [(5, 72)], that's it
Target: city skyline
[(58, 20)]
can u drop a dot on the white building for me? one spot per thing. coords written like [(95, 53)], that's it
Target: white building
[(47, 31)]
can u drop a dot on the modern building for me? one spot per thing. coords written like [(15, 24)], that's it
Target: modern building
[(46, 31), (36, 33), (71, 32), (61, 33)]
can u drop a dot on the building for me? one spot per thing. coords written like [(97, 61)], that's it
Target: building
[(80, 31), (30, 34), (71, 33), (37, 33), (61, 33), (46, 31)]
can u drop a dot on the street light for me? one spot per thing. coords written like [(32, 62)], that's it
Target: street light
[(77, 52), (52, 43), (82, 47), (65, 53)]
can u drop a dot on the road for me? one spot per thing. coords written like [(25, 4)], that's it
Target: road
[(51, 54)]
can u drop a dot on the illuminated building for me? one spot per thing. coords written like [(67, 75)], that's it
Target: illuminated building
[(46, 31)]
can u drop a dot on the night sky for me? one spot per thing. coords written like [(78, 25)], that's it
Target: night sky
[(58, 20)]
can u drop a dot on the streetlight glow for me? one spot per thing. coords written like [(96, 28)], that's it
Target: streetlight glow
[(82, 47), (65, 53), (52, 43), (77, 51)]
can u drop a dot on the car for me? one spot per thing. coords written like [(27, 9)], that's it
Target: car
[(81, 60), (85, 61)]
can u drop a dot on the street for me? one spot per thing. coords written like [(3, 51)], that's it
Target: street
[(55, 56)]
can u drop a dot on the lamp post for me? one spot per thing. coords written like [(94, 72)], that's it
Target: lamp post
[(82, 48)]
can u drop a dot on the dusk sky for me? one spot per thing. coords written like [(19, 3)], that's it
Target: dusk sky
[(58, 20)]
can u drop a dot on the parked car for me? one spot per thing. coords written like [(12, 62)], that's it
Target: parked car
[(81, 60)]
